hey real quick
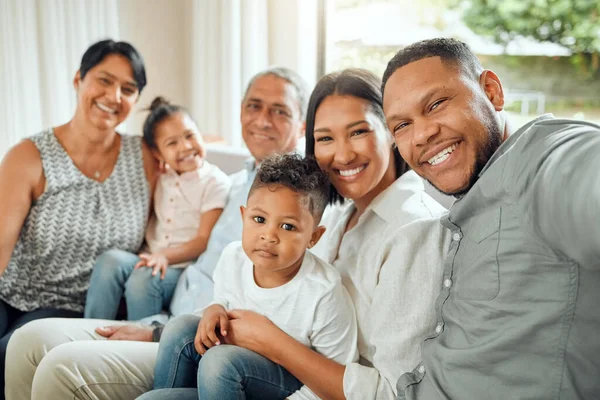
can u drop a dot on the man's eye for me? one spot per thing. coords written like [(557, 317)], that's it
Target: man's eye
[(436, 104), (260, 220), (288, 227)]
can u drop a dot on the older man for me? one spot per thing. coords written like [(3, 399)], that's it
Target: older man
[(62, 358), (518, 314)]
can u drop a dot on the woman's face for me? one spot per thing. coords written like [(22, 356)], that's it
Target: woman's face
[(107, 93), (353, 146)]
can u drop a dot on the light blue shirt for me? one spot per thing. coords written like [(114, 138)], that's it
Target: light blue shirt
[(195, 286)]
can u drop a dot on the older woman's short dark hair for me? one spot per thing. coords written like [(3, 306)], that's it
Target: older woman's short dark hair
[(100, 50)]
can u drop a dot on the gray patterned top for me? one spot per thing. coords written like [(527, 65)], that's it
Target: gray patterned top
[(74, 221)]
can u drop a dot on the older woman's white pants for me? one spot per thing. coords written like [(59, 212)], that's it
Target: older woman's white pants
[(65, 359)]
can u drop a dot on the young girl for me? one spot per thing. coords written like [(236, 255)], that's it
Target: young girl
[(189, 197)]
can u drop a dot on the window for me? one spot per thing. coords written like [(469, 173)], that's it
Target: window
[(539, 76)]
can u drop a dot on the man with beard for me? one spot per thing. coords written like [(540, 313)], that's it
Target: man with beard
[(518, 313)]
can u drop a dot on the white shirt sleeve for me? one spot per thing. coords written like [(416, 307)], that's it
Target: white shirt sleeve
[(403, 309), (334, 333), (216, 191)]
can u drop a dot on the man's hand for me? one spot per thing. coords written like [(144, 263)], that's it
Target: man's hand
[(156, 261), (131, 332), (206, 336)]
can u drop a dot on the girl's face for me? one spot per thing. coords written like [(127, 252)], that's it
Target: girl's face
[(178, 143), (354, 147)]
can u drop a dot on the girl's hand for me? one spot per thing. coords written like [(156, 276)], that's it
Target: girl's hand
[(156, 261), (251, 330)]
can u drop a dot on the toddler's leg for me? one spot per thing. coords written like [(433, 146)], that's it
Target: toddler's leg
[(177, 359), (147, 295), (108, 282), (230, 372)]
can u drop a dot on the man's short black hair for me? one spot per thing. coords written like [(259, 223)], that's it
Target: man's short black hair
[(453, 53), (302, 175)]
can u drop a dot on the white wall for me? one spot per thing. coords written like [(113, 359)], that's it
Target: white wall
[(160, 30)]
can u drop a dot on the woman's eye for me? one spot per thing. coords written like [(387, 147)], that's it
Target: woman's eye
[(260, 220), (128, 91), (324, 139), (359, 132), (288, 227)]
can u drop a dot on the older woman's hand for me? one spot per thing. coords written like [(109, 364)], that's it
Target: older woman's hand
[(251, 330)]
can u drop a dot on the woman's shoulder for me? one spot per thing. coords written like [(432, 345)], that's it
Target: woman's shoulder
[(407, 201)]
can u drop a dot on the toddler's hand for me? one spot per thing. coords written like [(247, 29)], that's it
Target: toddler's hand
[(206, 336)]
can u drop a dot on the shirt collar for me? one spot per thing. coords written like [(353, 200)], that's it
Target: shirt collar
[(511, 140), (387, 202)]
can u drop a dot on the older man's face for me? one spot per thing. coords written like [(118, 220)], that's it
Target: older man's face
[(270, 116), (445, 124)]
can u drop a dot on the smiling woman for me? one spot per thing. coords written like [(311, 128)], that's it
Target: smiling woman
[(72, 192)]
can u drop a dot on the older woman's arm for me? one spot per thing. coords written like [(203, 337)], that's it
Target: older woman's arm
[(151, 167), (21, 182)]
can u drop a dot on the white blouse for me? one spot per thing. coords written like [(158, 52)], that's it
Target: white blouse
[(391, 263)]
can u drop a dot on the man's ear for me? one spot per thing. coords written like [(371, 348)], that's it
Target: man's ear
[(492, 87), (77, 80), (316, 235), (302, 132)]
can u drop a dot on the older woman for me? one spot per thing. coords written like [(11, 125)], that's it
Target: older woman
[(72, 192)]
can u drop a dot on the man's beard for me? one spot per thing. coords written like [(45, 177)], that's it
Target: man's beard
[(484, 153)]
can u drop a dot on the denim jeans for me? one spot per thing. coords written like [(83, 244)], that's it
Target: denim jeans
[(113, 276), (224, 372)]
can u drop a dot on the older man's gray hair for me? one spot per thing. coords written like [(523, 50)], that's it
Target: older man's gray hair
[(291, 77)]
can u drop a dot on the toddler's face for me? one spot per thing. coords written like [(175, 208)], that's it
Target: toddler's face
[(278, 228)]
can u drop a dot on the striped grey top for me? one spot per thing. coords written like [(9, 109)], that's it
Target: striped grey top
[(74, 221)]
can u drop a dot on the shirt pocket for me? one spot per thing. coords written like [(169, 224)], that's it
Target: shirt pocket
[(478, 276)]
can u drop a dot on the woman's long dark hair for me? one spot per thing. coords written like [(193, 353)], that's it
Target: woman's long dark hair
[(354, 82)]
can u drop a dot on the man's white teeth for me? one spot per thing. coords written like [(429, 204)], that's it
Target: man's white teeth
[(442, 155), (350, 172), (106, 109)]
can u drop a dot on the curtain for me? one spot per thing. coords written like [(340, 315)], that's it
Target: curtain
[(41, 44), (232, 40)]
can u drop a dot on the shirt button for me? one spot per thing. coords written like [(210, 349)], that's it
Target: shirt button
[(166, 236), (168, 220), (448, 283), (171, 199), (177, 184), (456, 236), (438, 328), (422, 369)]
